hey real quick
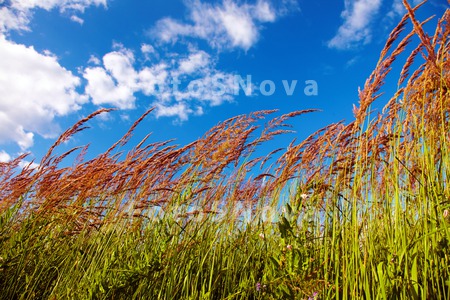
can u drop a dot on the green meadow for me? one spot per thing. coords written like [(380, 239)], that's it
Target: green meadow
[(357, 210)]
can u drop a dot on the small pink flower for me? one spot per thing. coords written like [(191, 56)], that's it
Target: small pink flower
[(314, 296), (261, 235), (446, 213), (258, 287), (289, 247), (304, 196)]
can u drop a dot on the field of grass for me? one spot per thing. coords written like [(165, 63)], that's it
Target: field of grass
[(355, 211)]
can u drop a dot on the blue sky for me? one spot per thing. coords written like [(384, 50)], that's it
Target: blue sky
[(63, 59)]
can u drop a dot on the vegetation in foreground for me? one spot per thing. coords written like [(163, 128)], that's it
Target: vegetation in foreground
[(354, 211)]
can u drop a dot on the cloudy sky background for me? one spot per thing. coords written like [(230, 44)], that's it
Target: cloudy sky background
[(63, 59)]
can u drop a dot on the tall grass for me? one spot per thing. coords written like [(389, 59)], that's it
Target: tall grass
[(353, 211)]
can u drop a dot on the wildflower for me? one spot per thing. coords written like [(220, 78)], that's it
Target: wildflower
[(261, 235), (289, 247), (304, 196), (314, 296), (445, 214), (260, 287)]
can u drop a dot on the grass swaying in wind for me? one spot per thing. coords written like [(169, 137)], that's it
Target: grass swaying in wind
[(355, 211)]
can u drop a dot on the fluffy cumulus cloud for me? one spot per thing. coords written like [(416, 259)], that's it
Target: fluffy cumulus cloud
[(4, 157), (115, 81), (356, 28), (34, 89), (17, 14), (225, 25), (180, 86)]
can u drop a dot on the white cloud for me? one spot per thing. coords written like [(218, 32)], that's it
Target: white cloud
[(194, 62), (13, 20), (355, 30), (103, 89), (397, 9), (77, 19), (63, 5), (115, 82), (34, 89), (119, 64), (168, 30), (125, 117), (214, 88), (225, 25), (149, 52), (264, 12), (94, 60), (4, 157), (179, 86), (351, 62), (239, 25), (146, 48), (149, 78), (17, 14), (179, 110)]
